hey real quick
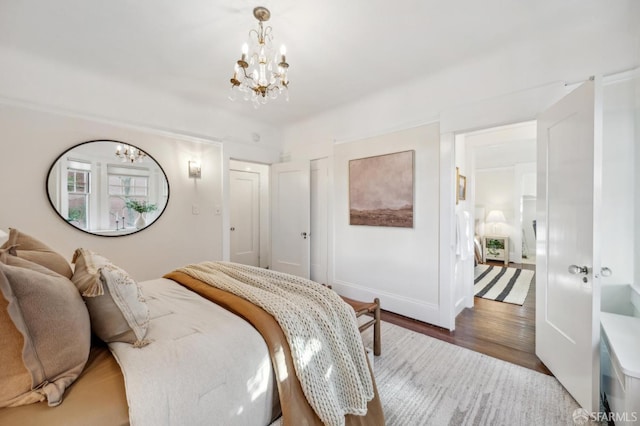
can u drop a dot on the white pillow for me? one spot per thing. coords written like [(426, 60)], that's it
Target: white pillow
[(3, 237), (115, 302)]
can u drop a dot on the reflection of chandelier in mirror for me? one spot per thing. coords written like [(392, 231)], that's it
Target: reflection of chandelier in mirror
[(129, 154), (260, 73)]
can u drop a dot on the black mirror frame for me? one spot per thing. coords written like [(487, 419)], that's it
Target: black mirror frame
[(46, 186)]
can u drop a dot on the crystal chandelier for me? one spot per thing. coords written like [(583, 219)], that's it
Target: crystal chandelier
[(130, 154), (260, 73)]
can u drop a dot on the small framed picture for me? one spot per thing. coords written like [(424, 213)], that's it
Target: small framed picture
[(461, 186)]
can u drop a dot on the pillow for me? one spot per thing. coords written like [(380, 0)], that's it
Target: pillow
[(116, 306), (14, 375), (3, 236), (27, 247), (48, 327)]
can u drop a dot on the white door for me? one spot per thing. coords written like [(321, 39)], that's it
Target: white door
[(244, 200), (569, 187), (319, 220), (290, 218)]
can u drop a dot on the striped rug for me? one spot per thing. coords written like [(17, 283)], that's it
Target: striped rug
[(509, 285)]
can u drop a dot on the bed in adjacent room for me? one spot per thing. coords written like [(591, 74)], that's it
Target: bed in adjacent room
[(211, 343)]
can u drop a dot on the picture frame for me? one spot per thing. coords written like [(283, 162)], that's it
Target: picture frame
[(457, 184), (461, 186), (381, 190)]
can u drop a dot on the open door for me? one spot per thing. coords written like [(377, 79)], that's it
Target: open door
[(290, 218), (568, 267)]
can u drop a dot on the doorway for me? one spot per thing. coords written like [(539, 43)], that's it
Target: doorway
[(500, 168), (249, 213)]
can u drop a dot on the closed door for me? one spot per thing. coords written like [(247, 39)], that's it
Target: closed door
[(290, 218), (568, 246), (244, 197)]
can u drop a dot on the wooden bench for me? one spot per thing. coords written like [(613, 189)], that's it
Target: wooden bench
[(371, 309)]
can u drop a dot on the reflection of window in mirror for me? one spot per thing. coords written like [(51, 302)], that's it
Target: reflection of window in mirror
[(78, 189), (126, 187)]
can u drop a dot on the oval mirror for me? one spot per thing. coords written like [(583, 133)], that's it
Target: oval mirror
[(107, 188)]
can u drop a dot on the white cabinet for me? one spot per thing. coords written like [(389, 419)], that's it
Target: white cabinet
[(620, 366), (495, 247)]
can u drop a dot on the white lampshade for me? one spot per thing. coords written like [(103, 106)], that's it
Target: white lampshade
[(496, 216)]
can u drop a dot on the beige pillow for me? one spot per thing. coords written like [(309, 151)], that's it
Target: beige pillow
[(27, 247), (52, 320), (116, 305), (14, 376)]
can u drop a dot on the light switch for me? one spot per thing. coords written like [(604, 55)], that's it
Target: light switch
[(195, 209)]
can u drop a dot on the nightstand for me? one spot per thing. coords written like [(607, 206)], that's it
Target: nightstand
[(495, 247)]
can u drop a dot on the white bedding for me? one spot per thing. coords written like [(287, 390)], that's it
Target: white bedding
[(205, 365)]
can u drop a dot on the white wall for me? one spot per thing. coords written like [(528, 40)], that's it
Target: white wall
[(399, 265), (495, 190), (618, 187), (31, 140)]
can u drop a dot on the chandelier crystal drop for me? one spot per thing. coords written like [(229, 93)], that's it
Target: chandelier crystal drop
[(260, 74), (130, 154)]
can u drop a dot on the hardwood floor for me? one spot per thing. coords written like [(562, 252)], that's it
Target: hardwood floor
[(501, 330)]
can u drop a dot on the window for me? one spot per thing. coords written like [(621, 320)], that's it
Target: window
[(121, 188), (78, 189)]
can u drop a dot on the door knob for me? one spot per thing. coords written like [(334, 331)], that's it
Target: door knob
[(304, 235), (575, 269)]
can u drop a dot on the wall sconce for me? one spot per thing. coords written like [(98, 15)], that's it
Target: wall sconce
[(195, 171)]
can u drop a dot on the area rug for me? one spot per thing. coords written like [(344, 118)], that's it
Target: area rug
[(425, 381), (509, 285)]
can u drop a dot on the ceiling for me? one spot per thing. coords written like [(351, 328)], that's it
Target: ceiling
[(338, 50)]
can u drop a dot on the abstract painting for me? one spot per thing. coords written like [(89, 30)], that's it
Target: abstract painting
[(381, 190)]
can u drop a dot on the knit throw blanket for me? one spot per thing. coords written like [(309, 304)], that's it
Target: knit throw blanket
[(320, 327)]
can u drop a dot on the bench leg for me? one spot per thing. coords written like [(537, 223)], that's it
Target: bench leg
[(377, 345)]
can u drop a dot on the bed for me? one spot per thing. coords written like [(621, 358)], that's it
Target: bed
[(206, 356)]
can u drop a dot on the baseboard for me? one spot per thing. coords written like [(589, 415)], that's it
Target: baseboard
[(402, 305)]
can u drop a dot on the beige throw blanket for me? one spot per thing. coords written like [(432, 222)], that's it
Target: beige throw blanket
[(320, 328)]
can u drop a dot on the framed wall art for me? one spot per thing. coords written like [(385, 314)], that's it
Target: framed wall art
[(381, 190), (461, 186)]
